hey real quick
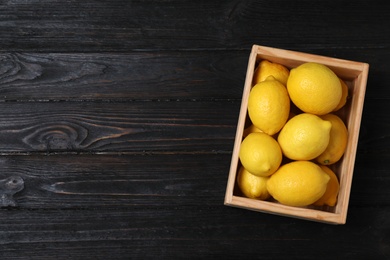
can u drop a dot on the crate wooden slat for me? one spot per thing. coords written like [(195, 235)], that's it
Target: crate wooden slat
[(355, 74)]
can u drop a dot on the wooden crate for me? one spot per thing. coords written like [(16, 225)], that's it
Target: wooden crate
[(355, 75)]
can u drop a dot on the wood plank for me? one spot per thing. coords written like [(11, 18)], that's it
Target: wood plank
[(120, 127), (180, 232), (143, 126), (112, 181), (126, 76), (122, 25), (187, 75), (118, 181)]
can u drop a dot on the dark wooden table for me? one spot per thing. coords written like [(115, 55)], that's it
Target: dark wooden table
[(120, 118)]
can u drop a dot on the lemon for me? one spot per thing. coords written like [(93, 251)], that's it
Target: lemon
[(332, 189), (252, 186), (298, 183), (314, 88), (269, 105), (337, 142), (251, 129), (260, 154), (304, 137), (344, 95), (267, 68)]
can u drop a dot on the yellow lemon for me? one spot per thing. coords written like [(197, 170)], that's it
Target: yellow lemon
[(299, 183), (337, 142), (314, 88), (304, 137), (332, 189), (251, 129), (252, 186), (269, 105), (260, 154), (267, 68), (344, 95)]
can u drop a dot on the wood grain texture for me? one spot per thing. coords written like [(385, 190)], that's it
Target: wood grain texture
[(159, 180), (168, 75), (184, 232), (94, 26), (125, 76), (120, 127), (118, 181), (142, 126)]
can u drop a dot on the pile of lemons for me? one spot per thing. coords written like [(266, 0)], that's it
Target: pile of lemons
[(294, 135)]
